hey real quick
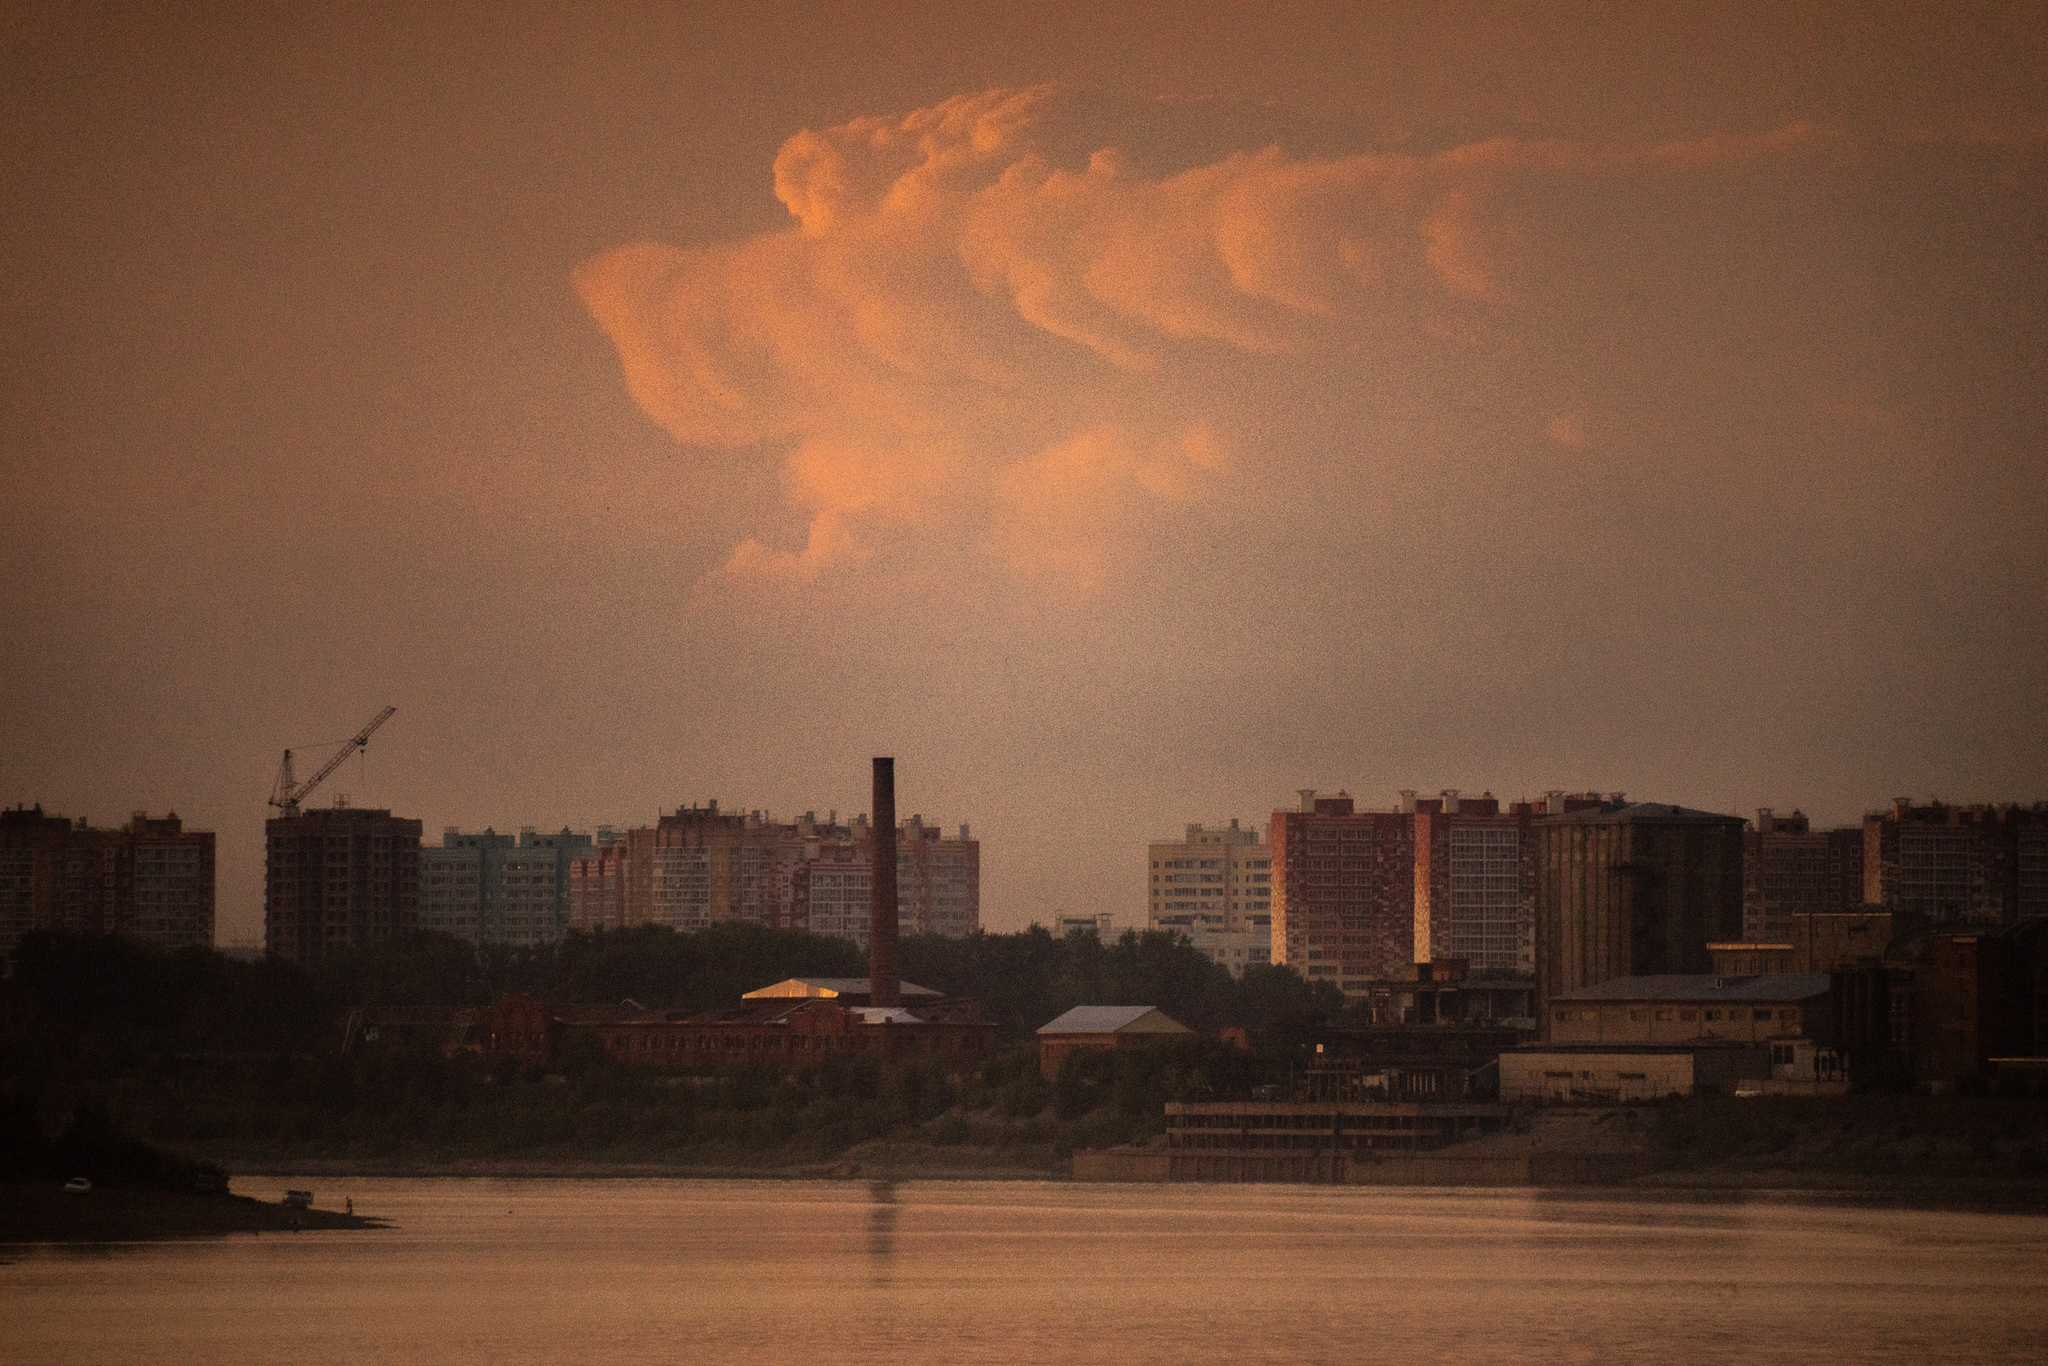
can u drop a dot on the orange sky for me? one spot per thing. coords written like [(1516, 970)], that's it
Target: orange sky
[(1124, 417)]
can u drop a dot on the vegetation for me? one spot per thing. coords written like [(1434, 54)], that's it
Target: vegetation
[(1888, 1138), (245, 1061)]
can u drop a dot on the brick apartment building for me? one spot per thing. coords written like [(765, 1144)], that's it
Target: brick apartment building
[(1790, 870), (338, 878), (1343, 891), (1957, 865), (151, 880)]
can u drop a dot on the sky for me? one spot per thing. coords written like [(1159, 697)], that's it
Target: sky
[(1123, 415)]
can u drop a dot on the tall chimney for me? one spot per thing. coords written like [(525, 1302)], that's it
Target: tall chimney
[(883, 986)]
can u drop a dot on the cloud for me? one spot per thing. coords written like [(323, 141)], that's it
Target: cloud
[(957, 327), (1567, 429)]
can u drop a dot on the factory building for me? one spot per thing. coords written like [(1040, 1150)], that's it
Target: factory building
[(339, 878), (1629, 889)]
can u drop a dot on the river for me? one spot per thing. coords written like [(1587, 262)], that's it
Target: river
[(773, 1273)]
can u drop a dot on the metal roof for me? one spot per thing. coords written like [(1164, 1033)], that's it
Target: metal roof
[(1765, 986), (1639, 811), (832, 986), (1114, 1020)]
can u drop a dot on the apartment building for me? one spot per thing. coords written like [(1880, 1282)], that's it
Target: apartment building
[(489, 888), (1791, 871), (1475, 880), (701, 866), (151, 879), (339, 878), (1343, 891), (1977, 866), (1214, 878)]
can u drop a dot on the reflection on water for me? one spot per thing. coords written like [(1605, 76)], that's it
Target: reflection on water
[(780, 1273), (882, 1225)]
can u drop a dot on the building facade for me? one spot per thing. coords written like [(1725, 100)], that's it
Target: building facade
[(1790, 870), (489, 888), (336, 879), (701, 866), (1214, 881), (1980, 866), (1343, 891), (1475, 882), (151, 880), (1632, 889)]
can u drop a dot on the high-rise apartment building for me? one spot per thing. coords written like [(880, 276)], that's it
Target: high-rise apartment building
[(1475, 881), (1213, 879), (489, 888), (338, 878), (1790, 870), (151, 880), (701, 866), (1216, 887), (1630, 890), (1343, 891), (1957, 865)]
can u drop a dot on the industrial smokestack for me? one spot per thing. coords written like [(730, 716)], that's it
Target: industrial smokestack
[(883, 986)]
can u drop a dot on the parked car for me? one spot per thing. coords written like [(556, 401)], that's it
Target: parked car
[(77, 1185)]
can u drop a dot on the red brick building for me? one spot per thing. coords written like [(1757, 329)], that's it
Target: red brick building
[(1790, 870), (1343, 891), (1978, 866), (337, 878), (780, 1027)]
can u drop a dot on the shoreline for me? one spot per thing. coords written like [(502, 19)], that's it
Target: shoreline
[(2020, 1196), (41, 1212)]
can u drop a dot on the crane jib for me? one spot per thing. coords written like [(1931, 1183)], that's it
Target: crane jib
[(287, 794)]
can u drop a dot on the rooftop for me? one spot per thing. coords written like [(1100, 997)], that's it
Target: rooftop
[(1115, 1019), (828, 987), (1690, 987), (1648, 812)]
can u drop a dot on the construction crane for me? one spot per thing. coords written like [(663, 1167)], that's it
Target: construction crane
[(287, 794)]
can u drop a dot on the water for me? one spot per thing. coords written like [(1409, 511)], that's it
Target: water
[(768, 1273)]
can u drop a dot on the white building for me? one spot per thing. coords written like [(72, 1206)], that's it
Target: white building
[(1215, 886)]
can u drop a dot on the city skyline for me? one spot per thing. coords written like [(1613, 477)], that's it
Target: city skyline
[(1121, 421)]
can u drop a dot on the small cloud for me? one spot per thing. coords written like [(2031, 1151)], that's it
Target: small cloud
[(1567, 429)]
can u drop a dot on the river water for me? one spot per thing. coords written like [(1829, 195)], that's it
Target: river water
[(767, 1273)]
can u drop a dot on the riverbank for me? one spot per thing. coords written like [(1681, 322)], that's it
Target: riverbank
[(43, 1212), (879, 1160)]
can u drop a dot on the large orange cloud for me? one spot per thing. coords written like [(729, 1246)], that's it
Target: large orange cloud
[(957, 327)]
